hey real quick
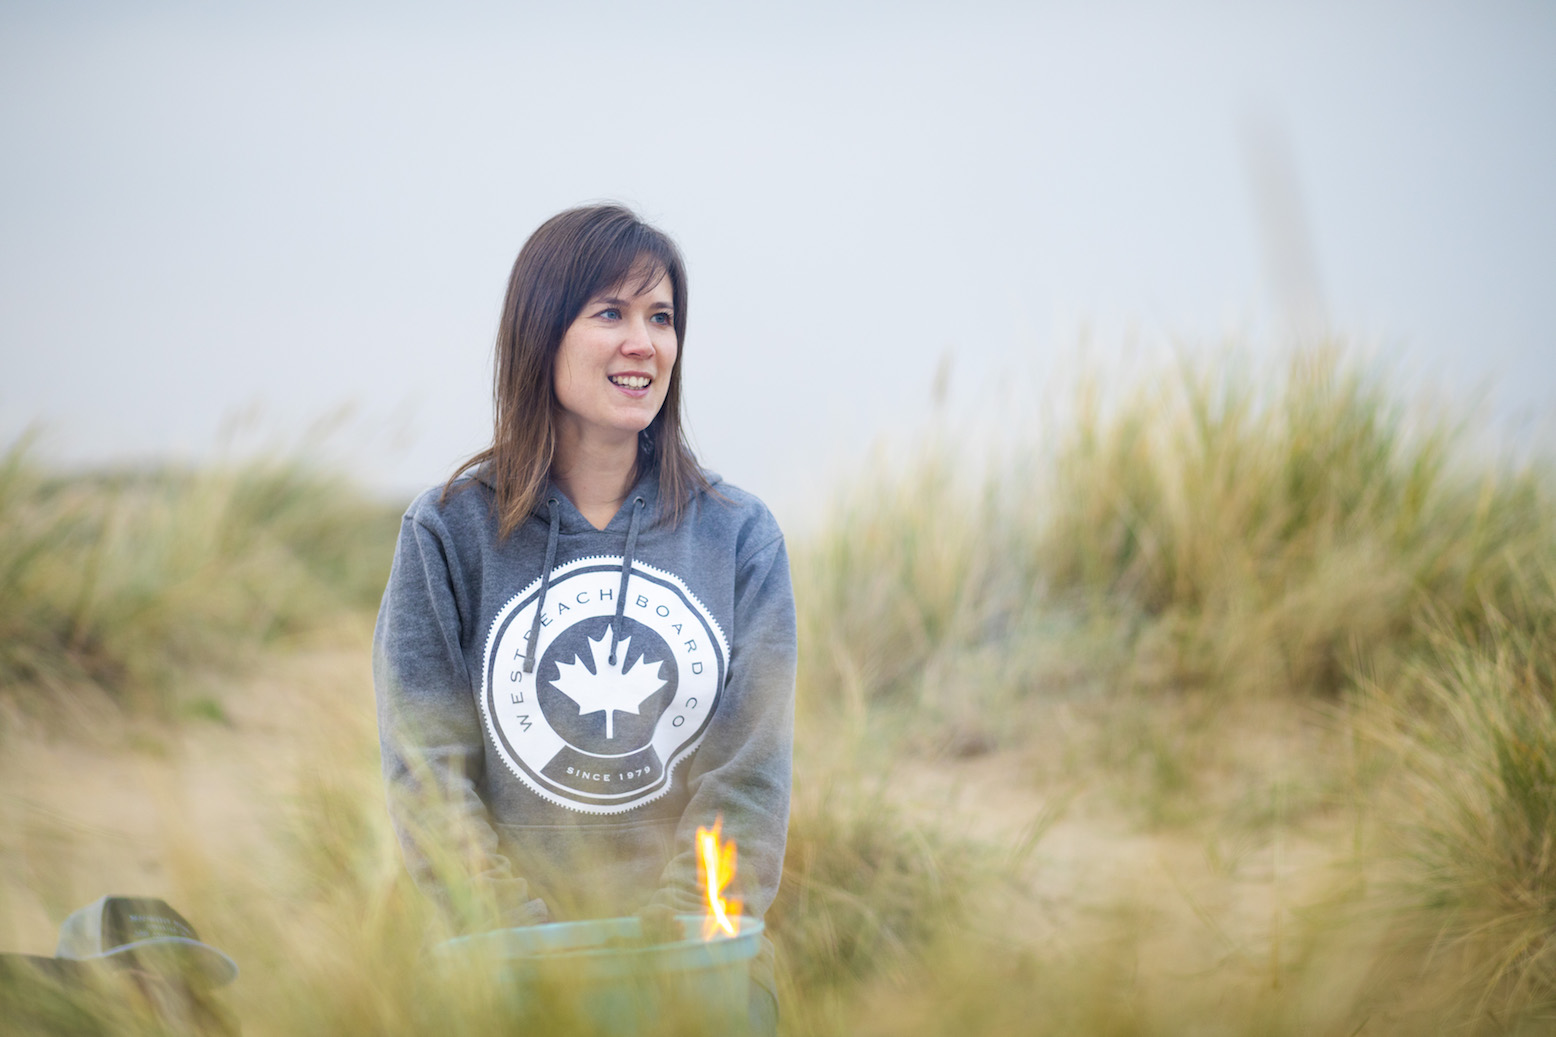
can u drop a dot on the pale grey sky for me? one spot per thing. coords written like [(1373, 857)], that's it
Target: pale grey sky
[(208, 211)]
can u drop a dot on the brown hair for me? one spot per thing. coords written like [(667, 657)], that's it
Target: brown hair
[(571, 258)]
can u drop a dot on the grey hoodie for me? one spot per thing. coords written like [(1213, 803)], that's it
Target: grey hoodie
[(575, 718)]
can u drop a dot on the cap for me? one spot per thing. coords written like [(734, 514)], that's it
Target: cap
[(146, 933)]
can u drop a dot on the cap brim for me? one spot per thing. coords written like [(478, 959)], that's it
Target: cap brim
[(190, 959)]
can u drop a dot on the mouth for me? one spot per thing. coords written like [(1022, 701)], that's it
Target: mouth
[(630, 381)]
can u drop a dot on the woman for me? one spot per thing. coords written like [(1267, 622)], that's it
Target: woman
[(587, 646)]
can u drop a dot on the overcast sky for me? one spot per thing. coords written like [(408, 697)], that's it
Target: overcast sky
[(218, 217)]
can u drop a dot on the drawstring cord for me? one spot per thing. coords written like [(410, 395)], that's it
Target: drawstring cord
[(545, 582), (626, 570)]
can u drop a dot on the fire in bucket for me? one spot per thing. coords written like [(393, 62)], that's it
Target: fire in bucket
[(613, 972)]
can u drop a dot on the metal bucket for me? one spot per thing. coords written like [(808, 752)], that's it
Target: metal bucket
[(600, 974)]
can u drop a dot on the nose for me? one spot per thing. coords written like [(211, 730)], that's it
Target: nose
[(638, 341)]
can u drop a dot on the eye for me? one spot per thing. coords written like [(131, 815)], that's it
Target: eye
[(664, 318), (609, 313)]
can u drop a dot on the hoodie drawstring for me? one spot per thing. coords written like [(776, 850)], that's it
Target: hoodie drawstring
[(626, 570), (545, 581)]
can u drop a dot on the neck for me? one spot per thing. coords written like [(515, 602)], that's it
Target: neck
[(595, 475)]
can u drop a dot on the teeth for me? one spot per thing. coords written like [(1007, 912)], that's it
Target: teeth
[(630, 381)]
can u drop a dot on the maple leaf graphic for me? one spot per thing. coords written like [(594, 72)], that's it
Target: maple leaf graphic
[(607, 689)]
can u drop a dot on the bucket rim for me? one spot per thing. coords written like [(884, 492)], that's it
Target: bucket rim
[(750, 929)]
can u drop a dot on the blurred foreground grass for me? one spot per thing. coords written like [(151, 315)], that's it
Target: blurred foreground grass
[(1226, 708)]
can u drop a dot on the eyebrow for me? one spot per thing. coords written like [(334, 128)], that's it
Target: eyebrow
[(611, 300)]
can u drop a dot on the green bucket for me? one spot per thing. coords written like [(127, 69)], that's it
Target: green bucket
[(602, 976)]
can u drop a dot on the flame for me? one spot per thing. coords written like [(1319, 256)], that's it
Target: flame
[(715, 870)]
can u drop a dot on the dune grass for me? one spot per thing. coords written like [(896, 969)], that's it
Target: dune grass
[(1270, 534), (865, 887), (123, 581), (1475, 734), (1207, 535), (1132, 613)]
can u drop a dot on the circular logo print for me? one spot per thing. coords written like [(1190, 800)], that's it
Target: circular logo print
[(613, 707)]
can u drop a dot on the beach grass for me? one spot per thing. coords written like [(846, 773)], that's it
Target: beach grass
[(1224, 707), (116, 584)]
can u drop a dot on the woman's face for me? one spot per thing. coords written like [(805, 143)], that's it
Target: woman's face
[(613, 367)]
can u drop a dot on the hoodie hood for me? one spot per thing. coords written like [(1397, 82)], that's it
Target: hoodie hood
[(572, 520)]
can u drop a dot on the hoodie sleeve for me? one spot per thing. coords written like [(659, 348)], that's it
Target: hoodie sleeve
[(432, 745), (742, 770)]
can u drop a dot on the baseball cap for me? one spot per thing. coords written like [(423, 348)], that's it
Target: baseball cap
[(143, 932)]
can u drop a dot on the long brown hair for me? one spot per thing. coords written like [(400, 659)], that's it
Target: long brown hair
[(571, 258)]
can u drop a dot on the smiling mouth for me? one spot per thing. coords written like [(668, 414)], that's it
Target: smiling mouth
[(630, 381)]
